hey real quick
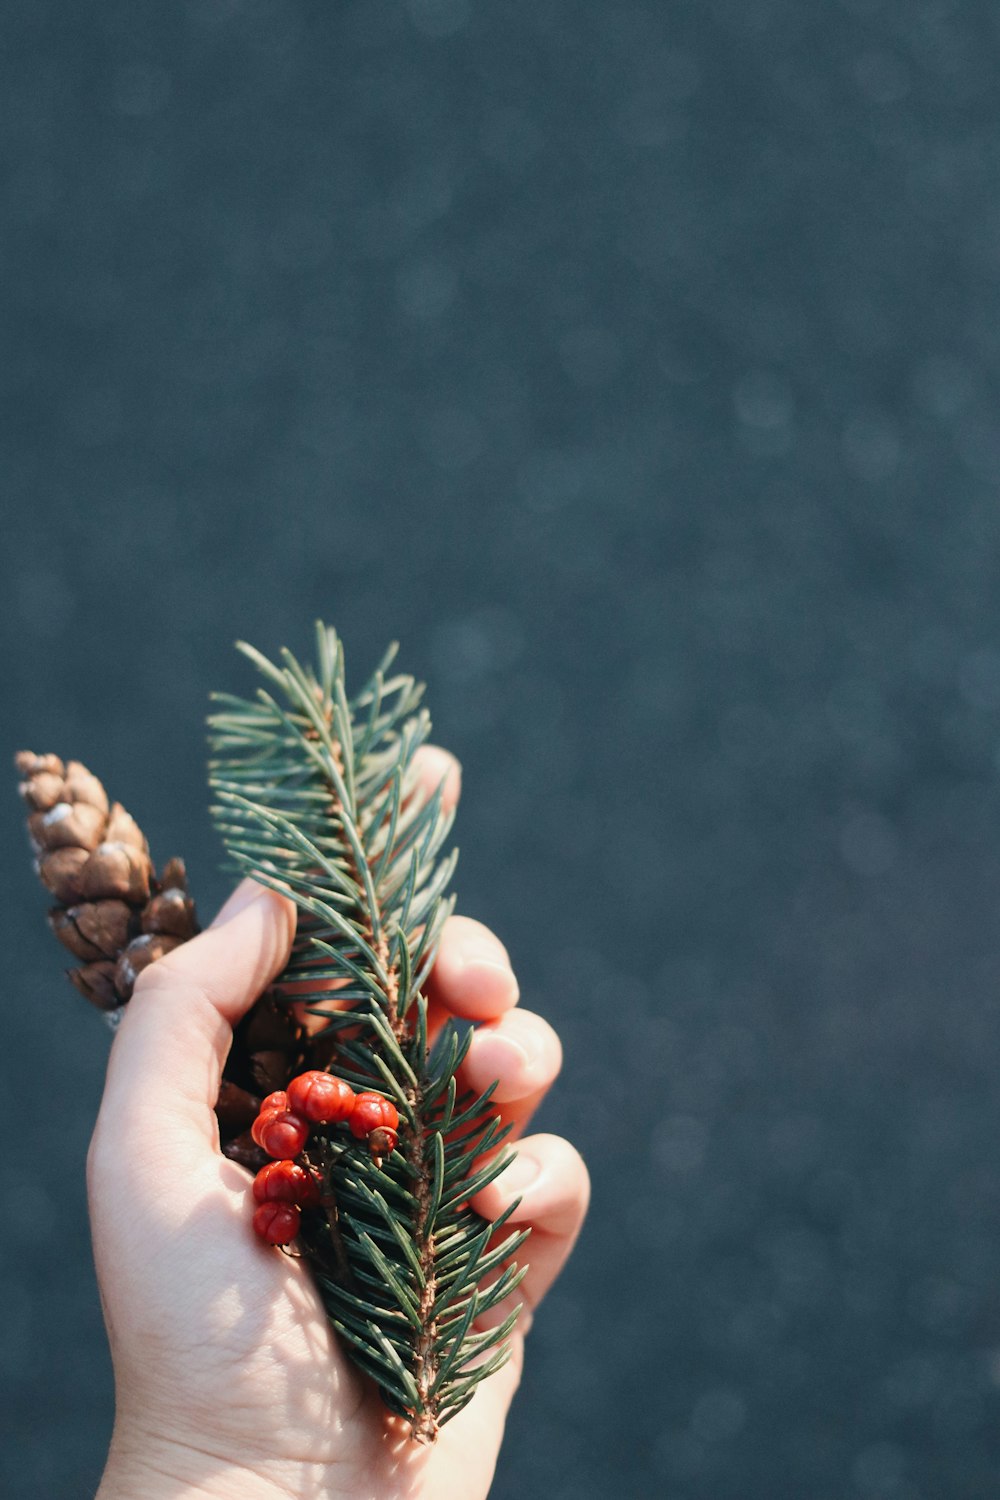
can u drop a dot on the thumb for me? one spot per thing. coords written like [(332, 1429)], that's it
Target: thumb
[(166, 1061)]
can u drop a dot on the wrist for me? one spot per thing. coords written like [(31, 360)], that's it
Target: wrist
[(145, 1468)]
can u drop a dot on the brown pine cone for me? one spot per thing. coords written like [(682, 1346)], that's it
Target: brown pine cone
[(112, 912), (117, 918)]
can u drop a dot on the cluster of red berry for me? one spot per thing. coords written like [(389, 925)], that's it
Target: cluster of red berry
[(284, 1187)]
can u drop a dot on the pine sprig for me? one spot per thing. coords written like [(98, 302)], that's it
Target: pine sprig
[(317, 796)]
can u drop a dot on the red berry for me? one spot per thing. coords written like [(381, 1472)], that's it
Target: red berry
[(255, 1127), (274, 1104), (265, 1114), (320, 1097), (278, 1223), (370, 1111), (281, 1133), (285, 1182)]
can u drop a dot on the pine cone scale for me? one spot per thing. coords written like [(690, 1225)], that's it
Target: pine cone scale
[(31, 765), (82, 786), (171, 913), (123, 829), (139, 954), (43, 791), (106, 924), (117, 870), (60, 872), (67, 825), (96, 983)]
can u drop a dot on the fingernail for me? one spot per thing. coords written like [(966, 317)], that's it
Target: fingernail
[(479, 949), (520, 1174), (504, 1061), (489, 961), (244, 895), (501, 1054), (504, 970)]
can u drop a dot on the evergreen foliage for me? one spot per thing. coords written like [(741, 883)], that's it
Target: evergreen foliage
[(316, 796)]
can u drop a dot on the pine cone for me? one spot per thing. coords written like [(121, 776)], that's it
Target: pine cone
[(112, 914), (116, 917)]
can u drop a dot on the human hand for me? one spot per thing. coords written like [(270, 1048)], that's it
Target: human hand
[(229, 1381)]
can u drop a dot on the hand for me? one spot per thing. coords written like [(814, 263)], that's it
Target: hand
[(229, 1381)]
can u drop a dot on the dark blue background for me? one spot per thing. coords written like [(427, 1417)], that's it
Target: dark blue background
[(637, 366)]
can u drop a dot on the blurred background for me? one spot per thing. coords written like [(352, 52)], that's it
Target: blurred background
[(636, 366)]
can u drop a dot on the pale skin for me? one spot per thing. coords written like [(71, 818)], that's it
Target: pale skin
[(229, 1382)]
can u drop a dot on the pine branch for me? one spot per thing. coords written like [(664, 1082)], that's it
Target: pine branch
[(317, 796)]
